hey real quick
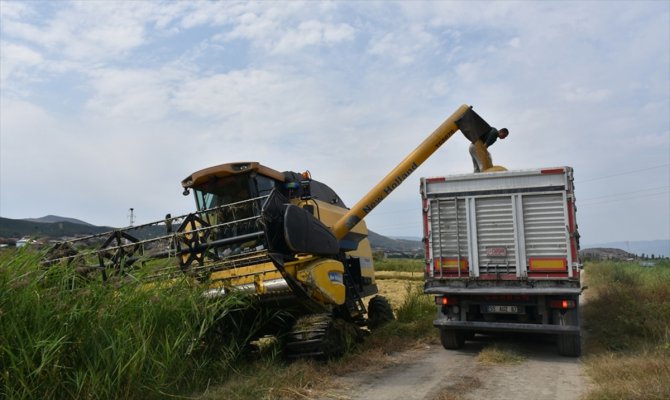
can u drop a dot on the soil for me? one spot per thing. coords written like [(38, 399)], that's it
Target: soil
[(432, 373)]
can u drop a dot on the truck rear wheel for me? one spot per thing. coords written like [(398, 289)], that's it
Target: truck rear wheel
[(452, 339), (569, 345)]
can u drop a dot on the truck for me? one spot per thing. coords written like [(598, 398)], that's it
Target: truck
[(502, 255)]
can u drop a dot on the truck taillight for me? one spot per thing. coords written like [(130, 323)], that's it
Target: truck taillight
[(446, 300), (562, 304)]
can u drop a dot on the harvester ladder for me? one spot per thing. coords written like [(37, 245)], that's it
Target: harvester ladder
[(353, 301)]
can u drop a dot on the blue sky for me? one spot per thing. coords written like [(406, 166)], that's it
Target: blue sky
[(107, 105)]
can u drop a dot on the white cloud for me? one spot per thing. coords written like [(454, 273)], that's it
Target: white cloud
[(238, 93), (15, 59), (130, 90), (585, 95), (311, 33), (403, 46), (129, 94), (15, 10), (87, 31)]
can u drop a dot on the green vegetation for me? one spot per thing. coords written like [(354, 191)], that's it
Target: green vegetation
[(400, 265), (272, 378), (627, 317), (111, 341), (63, 337), (500, 354)]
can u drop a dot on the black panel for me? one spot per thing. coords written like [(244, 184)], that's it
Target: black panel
[(306, 234), (473, 126)]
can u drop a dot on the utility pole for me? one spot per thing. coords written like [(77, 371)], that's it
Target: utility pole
[(131, 216)]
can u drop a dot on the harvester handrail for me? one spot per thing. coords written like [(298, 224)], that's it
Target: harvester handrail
[(162, 221)]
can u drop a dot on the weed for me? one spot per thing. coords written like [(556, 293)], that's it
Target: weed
[(400, 264), (417, 305), (500, 354), (627, 318), (111, 340)]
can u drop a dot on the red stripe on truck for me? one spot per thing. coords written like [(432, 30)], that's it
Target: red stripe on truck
[(434, 180), (552, 171)]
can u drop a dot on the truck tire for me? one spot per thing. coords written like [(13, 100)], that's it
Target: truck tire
[(452, 339), (569, 345), (379, 312)]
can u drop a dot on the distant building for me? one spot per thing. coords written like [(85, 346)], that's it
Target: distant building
[(24, 241)]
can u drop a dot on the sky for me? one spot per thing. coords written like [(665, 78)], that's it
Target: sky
[(108, 105)]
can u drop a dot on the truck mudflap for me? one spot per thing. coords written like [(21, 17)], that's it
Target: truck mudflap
[(506, 327)]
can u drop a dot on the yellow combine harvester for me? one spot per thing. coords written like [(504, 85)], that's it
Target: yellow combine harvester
[(283, 237)]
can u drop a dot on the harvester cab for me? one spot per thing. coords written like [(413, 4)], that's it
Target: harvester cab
[(283, 237), (268, 235)]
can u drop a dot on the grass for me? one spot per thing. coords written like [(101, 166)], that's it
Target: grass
[(627, 320), (62, 336), (111, 341), (271, 378), (500, 354), (400, 265)]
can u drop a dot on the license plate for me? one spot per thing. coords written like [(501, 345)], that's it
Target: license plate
[(496, 309)]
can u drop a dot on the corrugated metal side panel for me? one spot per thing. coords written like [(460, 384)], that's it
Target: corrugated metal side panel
[(448, 228), (544, 225), (495, 229)]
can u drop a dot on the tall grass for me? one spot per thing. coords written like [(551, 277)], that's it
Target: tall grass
[(627, 320), (270, 378), (400, 264), (63, 337), (628, 306)]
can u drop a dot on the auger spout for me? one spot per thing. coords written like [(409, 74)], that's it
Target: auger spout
[(398, 175)]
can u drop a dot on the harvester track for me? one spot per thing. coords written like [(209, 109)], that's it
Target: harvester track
[(316, 336)]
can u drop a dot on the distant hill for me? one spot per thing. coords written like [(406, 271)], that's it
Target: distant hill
[(56, 227), (646, 247), (55, 218), (604, 253), (378, 241), (18, 228)]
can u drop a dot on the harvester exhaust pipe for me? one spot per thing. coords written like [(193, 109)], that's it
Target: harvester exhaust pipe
[(378, 193)]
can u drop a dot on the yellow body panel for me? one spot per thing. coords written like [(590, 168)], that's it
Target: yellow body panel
[(324, 278), (256, 274), (329, 214)]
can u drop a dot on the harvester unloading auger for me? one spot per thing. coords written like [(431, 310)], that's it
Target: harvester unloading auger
[(285, 238)]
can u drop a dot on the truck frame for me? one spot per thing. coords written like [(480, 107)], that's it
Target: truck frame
[(502, 254)]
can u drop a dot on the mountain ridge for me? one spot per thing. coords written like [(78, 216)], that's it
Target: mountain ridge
[(54, 226)]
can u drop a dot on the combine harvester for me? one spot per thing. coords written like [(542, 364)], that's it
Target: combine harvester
[(283, 237)]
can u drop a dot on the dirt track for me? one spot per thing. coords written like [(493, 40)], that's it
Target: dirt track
[(432, 373)]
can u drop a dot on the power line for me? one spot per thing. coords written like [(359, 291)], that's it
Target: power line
[(638, 191), (623, 198), (623, 173)]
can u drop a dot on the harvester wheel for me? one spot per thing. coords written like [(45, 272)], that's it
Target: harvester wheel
[(379, 312)]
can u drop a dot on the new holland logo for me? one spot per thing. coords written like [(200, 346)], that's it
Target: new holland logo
[(335, 276)]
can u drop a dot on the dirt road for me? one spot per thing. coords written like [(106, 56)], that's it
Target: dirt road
[(432, 373)]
